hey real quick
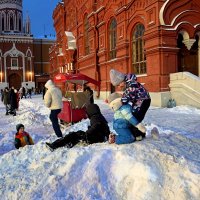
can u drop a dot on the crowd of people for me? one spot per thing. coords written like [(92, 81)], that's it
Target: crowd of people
[(10, 98), (129, 107)]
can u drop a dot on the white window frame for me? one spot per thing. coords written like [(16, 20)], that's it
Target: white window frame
[(14, 66)]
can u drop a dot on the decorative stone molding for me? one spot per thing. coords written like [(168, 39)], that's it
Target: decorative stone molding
[(16, 39), (14, 52), (71, 40), (18, 2), (188, 43), (29, 53)]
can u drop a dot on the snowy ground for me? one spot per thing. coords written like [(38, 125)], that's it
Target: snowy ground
[(167, 168)]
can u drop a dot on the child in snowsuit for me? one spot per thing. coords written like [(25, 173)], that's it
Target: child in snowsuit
[(124, 123), (22, 138), (98, 131)]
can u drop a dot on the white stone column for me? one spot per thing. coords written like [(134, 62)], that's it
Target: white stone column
[(24, 72)]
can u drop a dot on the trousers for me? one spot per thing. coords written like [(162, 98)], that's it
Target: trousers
[(54, 119)]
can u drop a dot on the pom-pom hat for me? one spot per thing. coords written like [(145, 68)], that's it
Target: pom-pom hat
[(116, 77)]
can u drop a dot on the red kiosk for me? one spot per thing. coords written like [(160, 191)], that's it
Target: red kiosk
[(70, 113)]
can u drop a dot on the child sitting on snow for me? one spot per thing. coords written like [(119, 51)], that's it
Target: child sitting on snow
[(22, 138), (124, 122), (98, 131)]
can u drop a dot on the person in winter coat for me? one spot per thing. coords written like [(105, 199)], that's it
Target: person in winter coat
[(90, 92), (43, 92), (18, 98), (124, 123), (2, 95), (98, 131), (135, 94), (23, 92), (6, 99), (13, 101), (53, 100), (22, 138)]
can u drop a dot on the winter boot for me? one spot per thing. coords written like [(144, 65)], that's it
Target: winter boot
[(155, 133), (142, 128), (139, 135), (50, 146)]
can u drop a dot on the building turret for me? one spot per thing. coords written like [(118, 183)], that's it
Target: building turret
[(27, 25), (11, 17)]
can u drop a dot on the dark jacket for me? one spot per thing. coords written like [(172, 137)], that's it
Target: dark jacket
[(137, 96), (98, 130), (13, 99), (6, 97), (90, 91), (23, 139)]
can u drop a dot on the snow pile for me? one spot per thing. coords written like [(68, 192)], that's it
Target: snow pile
[(164, 168)]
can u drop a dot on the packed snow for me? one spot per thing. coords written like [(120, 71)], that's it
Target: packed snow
[(167, 167)]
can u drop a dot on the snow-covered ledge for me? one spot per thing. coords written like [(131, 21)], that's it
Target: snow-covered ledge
[(185, 88)]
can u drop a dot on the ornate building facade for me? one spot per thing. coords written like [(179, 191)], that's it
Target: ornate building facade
[(151, 38), (24, 60)]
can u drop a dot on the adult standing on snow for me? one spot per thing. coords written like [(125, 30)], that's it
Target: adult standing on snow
[(13, 101), (53, 100), (6, 99), (135, 94)]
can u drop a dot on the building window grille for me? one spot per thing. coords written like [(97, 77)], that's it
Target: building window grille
[(86, 35), (112, 39), (138, 51)]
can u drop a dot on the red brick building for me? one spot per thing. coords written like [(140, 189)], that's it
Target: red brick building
[(150, 38), (24, 60)]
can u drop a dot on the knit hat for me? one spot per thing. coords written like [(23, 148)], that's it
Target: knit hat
[(113, 96), (116, 77), (18, 126), (115, 104), (49, 83)]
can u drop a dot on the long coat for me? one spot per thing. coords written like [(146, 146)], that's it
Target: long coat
[(13, 99), (6, 97)]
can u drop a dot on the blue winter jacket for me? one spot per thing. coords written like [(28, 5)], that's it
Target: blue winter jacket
[(123, 120)]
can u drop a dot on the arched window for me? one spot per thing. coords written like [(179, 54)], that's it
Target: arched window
[(138, 52), (112, 39), (11, 23), (86, 35), (20, 25), (2, 22), (19, 22)]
